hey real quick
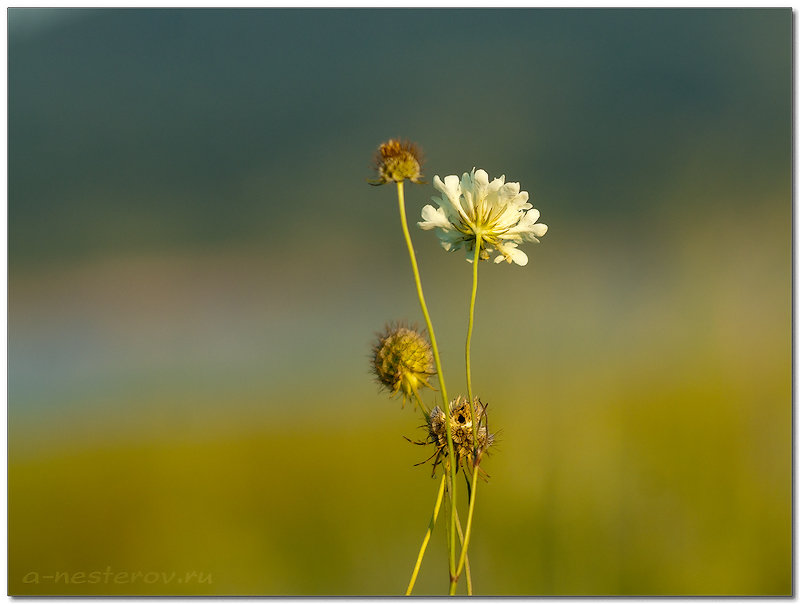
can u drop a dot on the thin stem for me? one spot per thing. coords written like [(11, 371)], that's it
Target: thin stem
[(475, 261), (421, 404), (451, 467), (467, 570), (412, 256), (427, 537), (468, 532), (472, 315), (465, 544)]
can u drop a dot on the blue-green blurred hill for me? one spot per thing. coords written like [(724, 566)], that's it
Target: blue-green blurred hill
[(137, 128)]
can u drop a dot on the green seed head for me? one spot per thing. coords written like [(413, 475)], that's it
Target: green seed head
[(402, 360)]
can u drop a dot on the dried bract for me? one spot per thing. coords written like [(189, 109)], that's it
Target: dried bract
[(461, 432)]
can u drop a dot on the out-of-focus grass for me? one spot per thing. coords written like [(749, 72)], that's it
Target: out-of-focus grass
[(676, 484)]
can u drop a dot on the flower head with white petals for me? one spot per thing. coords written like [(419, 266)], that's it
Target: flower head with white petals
[(497, 212)]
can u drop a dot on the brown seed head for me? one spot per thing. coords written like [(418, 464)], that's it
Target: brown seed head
[(460, 430), (396, 161)]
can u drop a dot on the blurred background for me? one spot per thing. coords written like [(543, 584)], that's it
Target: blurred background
[(197, 268)]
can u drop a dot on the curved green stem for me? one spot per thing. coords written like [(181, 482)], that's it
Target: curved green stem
[(472, 316), (475, 261), (465, 543), (422, 405), (427, 537), (445, 401), (468, 531), (467, 570)]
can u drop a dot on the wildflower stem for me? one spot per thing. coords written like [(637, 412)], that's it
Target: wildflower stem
[(472, 409), (466, 560), (471, 405), (427, 537), (471, 490), (451, 469), (421, 404), (471, 321), (468, 531), (418, 282)]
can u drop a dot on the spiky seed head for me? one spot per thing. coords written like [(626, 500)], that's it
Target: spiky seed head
[(402, 360), (397, 161), (460, 429)]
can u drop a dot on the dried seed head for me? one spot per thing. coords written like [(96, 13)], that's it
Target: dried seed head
[(460, 430), (402, 360), (398, 160)]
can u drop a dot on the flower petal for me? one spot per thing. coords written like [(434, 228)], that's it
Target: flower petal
[(508, 192), (450, 240), (434, 218), (438, 184), (451, 187), (480, 179), (510, 253), (471, 196), (519, 257)]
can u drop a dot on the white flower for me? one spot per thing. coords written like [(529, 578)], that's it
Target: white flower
[(496, 211)]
